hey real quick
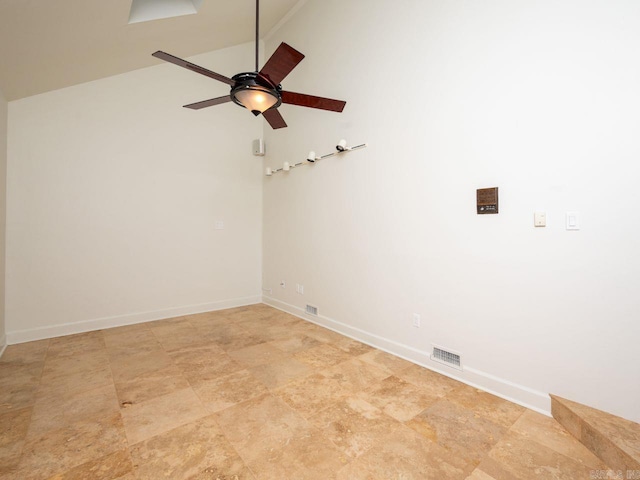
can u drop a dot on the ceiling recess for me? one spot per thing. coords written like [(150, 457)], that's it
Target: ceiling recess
[(146, 10)]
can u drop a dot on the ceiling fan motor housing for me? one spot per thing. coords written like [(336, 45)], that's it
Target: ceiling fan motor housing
[(253, 81)]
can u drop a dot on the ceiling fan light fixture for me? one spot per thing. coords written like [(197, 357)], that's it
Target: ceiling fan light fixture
[(254, 98), (254, 93)]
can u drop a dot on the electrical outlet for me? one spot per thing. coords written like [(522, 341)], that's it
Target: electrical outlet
[(300, 289), (416, 320)]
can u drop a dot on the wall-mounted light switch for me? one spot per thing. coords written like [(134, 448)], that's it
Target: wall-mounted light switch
[(573, 221)]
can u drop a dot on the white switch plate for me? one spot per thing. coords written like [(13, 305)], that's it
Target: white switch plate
[(219, 225), (540, 219), (300, 289), (416, 320), (573, 221)]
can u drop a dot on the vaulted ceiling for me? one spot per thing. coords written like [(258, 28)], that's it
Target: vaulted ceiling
[(51, 44)]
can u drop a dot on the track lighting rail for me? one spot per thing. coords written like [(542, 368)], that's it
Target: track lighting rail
[(312, 158)]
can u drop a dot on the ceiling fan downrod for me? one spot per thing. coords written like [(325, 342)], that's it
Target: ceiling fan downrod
[(257, 30)]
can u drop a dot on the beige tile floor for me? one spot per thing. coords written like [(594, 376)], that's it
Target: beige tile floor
[(254, 393)]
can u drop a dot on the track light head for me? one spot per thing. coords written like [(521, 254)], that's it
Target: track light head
[(311, 157)]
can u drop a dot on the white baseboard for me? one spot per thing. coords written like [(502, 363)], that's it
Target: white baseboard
[(28, 335), (525, 396), (3, 344)]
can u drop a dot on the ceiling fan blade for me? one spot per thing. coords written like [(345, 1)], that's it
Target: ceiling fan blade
[(310, 101), (193, 67), (208, 103), (283, 60), (274, 118)]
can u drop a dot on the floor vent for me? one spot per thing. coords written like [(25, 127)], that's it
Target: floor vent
[(448, 358), (311, 310)]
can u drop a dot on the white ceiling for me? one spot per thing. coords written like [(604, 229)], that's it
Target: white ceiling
[(51, 44)]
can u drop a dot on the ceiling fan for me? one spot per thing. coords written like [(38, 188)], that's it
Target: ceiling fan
[(260, 91)]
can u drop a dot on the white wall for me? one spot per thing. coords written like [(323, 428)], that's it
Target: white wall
[(113, 194), (3, 209), (540, 99)]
